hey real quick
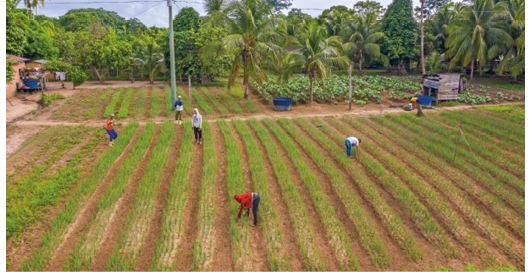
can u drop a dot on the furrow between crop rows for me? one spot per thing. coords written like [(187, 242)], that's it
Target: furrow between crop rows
[(298, 212), (474, 172), (169, 240), (270, 223), (115, 99), (228, 99), (337, 237), (131, 241), (98, 103), (139, 108), (358, 216), (53, 237), (383, 209), (214, 100), (85, 251)]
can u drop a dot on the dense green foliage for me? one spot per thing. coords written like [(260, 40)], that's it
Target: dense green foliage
[(187, 19), (401, 30)]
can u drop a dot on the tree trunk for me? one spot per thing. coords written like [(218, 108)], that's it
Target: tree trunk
[(97, 74), (245, 75), (472, 69), (311, 89), (360, 60), (422, 41)]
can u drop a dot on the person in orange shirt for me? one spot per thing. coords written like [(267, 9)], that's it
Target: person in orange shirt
[(249, 201), (111, 130)]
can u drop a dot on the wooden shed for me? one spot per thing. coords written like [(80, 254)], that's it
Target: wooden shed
[(443, 86)]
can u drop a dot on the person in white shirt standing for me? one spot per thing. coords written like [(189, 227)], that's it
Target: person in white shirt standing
[(178, 109), (196, 126), (349, 142)]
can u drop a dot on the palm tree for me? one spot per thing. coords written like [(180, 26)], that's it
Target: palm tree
[(514, 57), (361, 36), (251, 40), (434, 63), (439, 22), (334, 21), (212, 6), (471, 34), (149, 52), (314, 52)]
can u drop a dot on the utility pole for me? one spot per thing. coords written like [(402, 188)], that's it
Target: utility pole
[(350, 97), (422, 42), (172, 55), (458, 136)]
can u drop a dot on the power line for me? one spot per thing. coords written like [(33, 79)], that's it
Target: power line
[(146, 10)]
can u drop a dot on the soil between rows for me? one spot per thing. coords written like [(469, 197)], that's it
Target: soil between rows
[(156, 221), (320, 233), (118, 220)]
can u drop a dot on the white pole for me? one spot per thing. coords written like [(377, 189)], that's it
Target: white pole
[(350, 94)]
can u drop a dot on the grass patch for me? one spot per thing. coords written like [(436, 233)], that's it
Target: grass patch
[(236, 91), (448, 104), (506, 86)]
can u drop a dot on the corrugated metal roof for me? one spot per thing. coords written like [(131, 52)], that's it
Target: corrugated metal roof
[(17, 59)]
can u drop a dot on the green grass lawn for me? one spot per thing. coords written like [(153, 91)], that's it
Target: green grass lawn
[(506, 86), (513, 109)]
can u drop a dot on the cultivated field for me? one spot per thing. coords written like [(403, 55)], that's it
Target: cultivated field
[(155, 201)]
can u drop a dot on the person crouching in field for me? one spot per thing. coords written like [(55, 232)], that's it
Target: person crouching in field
[(196, 125), (110, 129), (249, 201), (178, 109), (349, 142)]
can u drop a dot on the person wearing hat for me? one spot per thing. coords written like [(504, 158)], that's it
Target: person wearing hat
[(110, 129), (249, 201), (414, 101), (196, 126), (178, 109), (349, 142)]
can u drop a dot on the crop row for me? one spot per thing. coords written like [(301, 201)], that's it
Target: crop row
[(337, 235), (91, 112), (430, 227), (168, 100), (139, 109), (356, 212), (230, 101), (252, 107), (235, 182), (474, 172), (270, 223), (464, 182), (486, 125), (52, 238), (506, 157), (154, 101), (170, 239), (124, 108), (298, 212), (445, 148), (132, 238), (29, 195), (203, 247), (498, 121), (87, 247), (445, 138), (464, 204), (201, 102), (381, 206), (115, 99), (214, 100)]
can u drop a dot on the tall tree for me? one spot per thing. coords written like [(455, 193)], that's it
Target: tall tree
[(431, 7), (361, 38), (514, 57), (314, 52), (15, 38), (437, 24), (99, 48), (279, 5), (251, 40), (187, 18), (477, 28), (401, 30), (369, 6)]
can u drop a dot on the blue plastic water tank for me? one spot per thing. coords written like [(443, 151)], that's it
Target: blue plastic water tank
[(282, 103), (424, 100)]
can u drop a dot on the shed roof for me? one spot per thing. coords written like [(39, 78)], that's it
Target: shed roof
[(41, 61), (17, 59)]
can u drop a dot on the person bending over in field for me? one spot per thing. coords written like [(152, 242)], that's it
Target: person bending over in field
[(196, 126), (414, 101), (178, 109), (110, 129), (249, 201), (349, 142)]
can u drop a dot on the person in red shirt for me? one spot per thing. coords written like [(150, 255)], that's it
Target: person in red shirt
[(249, 201), (110, 129)]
